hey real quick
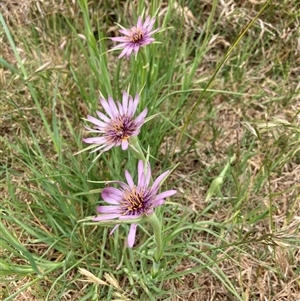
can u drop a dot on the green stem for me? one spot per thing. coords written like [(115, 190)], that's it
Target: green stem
[(145, 68), (158, 253), (136, 150), (153, 220)]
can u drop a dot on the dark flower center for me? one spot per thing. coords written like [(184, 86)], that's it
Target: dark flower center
[(121, 128), (133, 201), (136, 36)]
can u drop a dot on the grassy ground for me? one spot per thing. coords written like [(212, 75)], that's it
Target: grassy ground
[(232, 230)]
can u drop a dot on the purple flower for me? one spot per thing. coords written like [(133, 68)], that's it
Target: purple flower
[(136, 37), (133, 201), (116, 129)]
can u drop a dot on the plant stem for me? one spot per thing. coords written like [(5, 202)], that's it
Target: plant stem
[(158, 253)]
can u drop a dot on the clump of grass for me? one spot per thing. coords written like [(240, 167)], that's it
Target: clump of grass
[(231, 232)]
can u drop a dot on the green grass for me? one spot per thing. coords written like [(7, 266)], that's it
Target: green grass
[(223, 84)]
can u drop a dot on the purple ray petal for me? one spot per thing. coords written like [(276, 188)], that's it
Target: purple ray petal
[(131, 235), (125, 101), (95, 121), (103, 148), (128, 51), (152, 32), (135, 103), (106, 107), (128, 217), (158, 180), (166, 194), (111, 192), (103, 117), (160, 198), (158, 203), (123, 53), (120, 39), (120, 46), (97, 140), (141, 174), (148, 176), (113, 230), (111, 198), (141, 117), (113, 107), (148, 41), (121, 109), (108, 209), (150, 25), (146, 22), (126, 32), (104, 217), (129, 179), (139, 22), (124, 144)]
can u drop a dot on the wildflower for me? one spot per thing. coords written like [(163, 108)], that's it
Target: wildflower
[(133, 201), (136, 37), (116, 129)]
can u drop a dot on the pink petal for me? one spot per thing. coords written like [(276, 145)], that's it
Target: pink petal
[(128, 51), (148, 176), (94, 130), (124, 185), (108, 209), (113, 230), (113, 107), (166, 194), (148, 41), (129, 179), (124, 51), (128, 217), (150, 24), (104, 217), (141, 117), (158, 203), (120, 46), (106, 107), (143, 179), (103, 117), (120, 39), (112, 192), (125, 101), (158, 180), (96, 140), (139, 23), (146, 22), (126, 32), (141, 175), (152, 32), (130, 110), (111, 197), (121, 109), (124, 144), (104, 148), (135, 104), (160, 198), (96, 121), (131, 235)]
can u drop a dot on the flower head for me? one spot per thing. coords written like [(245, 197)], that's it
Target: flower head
[(133, 201), (136, 37), (116, 129)]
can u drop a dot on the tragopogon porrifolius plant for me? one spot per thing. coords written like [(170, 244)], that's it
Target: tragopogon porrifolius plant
[(131, 203)]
